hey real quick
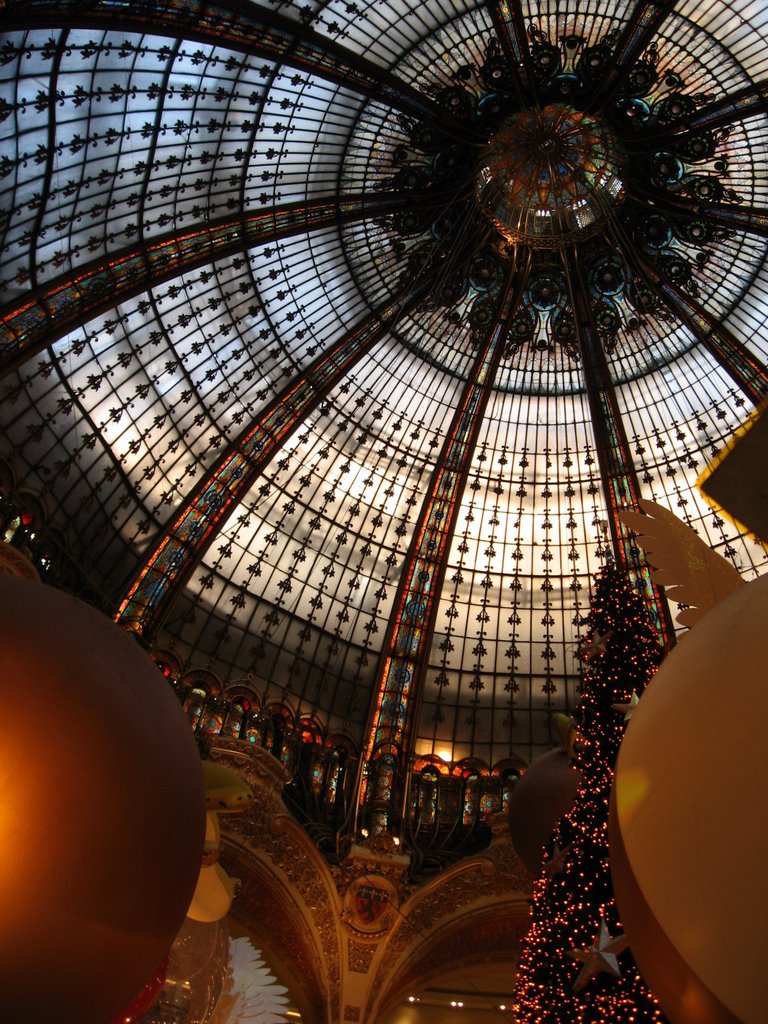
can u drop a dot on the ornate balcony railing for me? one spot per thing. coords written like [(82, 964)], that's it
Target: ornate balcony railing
[(445, 809)]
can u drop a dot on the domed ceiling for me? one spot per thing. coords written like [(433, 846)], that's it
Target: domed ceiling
[(335, 335)]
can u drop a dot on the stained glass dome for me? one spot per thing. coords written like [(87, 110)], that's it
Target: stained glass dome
[(549, 176), (293, 384)]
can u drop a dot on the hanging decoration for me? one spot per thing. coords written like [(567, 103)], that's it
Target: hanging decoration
[(196, 975), (15, 563), (225, 793), (602, 955), (567, 729), (690, 571), (627, 709), (544, 793), (251, 993), (592, 648), (144, 1000), (735, 480)]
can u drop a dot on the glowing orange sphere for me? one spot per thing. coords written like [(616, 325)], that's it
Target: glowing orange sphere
[(101, 812)]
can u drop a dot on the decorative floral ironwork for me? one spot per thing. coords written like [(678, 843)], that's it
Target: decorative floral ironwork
[(549, 172)]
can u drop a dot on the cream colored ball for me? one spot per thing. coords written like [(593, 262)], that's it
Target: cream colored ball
[(689, 825)]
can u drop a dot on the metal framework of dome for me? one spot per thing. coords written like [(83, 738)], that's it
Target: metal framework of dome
[(335, 336)]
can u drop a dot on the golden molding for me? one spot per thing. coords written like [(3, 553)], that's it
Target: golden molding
[(355, 937)]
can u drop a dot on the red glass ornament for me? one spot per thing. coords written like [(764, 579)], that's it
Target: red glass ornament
[(143, 1001)]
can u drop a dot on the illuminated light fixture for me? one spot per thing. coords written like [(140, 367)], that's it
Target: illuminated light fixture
[(445, 755)]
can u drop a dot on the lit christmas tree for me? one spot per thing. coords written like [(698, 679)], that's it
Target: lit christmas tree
[(574, 964)]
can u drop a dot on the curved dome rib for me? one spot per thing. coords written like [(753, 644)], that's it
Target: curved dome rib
[(400, 680), (645, 21), (752, 220), (509, 25), (621, 486), (31, 324), (178, 552), (750, 101), (747, 371)]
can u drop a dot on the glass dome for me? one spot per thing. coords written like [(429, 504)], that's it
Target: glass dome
[(301, 415)]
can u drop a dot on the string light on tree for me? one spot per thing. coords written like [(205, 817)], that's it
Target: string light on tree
[(575, 967)]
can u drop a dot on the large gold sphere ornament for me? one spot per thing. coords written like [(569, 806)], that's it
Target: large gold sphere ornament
[(101, 811), (550, 176), (688, 826)]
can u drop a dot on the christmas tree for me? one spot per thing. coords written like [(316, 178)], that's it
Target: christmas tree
[(575, 964)]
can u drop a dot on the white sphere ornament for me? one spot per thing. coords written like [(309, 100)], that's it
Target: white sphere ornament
[(689, 827)]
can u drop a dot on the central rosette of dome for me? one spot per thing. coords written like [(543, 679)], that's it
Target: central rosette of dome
[(550, 176)]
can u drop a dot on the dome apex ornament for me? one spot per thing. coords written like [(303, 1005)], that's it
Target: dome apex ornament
[(619, 181), (551, 177)]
